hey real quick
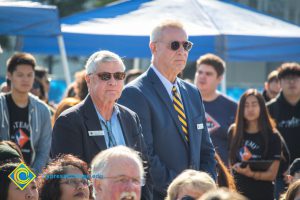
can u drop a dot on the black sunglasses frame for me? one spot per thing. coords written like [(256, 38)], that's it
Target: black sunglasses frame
[(187, 197), (175, 45), (106, 76)]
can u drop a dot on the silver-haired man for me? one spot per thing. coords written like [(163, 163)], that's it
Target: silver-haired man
[(98, 122), (117, 173)]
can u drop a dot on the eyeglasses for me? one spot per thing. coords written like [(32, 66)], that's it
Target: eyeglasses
[(75, 182), (124, 180), (106, 76), (175, 45), (187, 197)]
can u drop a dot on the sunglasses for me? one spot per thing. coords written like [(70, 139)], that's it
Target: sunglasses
[(106, 76), (175, 45), (187, 197)]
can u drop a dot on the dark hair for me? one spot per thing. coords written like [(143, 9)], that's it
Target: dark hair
[(5, 170), (10, 152), (295, 167), (20, 59), (287, 69), (224, 178), (265, 124), (40, 72), (81, 84), (215, 61), (49, 188), (133, 73)]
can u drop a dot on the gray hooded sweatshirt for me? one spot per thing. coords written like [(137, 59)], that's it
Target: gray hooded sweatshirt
[(40, 126)]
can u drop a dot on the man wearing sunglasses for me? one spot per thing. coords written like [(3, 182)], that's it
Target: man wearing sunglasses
[(171, 110), (98, 122)]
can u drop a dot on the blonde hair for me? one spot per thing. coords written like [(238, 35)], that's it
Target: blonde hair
[(201, 181), (222, 194)]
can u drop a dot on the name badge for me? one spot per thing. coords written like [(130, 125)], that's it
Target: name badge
[(96, 133), (200, 126)]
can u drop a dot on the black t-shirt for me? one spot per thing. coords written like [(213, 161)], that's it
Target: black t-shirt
[(219, 115), (253, 149), (287, 117), (19, 128)]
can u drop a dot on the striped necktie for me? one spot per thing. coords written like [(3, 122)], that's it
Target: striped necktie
[(180, 111)]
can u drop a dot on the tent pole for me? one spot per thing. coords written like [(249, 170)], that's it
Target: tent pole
[(221, 50), (63, 55), (136, 63)]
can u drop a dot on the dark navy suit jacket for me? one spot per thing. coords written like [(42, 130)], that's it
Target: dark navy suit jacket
[(169, 153), (71, 134)]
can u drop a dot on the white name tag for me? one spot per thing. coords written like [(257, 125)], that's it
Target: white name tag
[(200, 126), (96, 133)]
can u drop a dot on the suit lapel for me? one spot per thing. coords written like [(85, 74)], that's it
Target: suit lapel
[(164, 96), (92, 122)]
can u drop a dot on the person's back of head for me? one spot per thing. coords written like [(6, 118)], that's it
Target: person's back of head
[(294, 171), (293, 191), (64, 105), (222, 194), (132, 74), (187, 181), (10, 152)]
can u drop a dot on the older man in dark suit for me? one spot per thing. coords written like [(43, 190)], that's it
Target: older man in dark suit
[(170, 110), (99, 122)]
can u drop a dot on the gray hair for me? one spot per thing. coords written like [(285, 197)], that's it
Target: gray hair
[(100, 163), (100, 57), (158, 29)]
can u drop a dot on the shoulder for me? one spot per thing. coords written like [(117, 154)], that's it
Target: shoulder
[(228, 100), (126, 110), (39, 104)]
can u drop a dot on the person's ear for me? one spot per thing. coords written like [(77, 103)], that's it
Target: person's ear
[(9, 75), (289, 179), (152, 46), (98, 186), (266, 86), (220, 78)]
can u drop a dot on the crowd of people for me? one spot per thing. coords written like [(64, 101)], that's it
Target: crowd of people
[(157, 137)]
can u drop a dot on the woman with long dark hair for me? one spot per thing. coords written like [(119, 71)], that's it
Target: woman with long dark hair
[(253, 137)]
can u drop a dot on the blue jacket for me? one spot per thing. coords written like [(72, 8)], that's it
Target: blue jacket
[(169, 152), (40, 125)]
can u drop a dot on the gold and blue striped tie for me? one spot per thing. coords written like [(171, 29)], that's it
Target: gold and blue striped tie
[(180, 111)]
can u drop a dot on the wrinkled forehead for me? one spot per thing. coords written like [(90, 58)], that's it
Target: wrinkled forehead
[(173, 33)]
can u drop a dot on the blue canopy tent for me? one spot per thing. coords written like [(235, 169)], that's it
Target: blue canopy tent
[(232, 31), (33, 19)]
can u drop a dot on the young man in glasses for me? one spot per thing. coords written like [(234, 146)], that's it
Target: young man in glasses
[(171, 110), (285, 109), (118, 174), (219, 109), (99, 122), (25, 119)]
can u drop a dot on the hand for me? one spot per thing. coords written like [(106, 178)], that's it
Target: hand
[(244, 171)]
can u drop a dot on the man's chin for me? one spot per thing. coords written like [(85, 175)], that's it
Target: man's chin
[(128, 196)]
